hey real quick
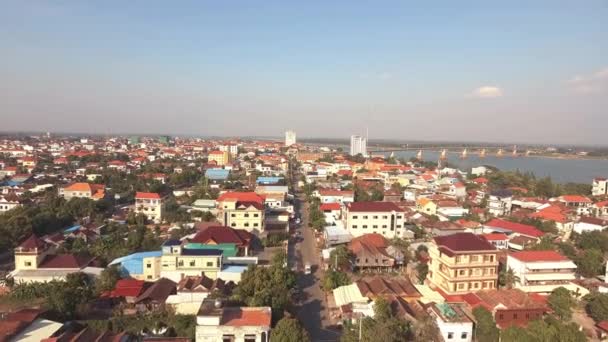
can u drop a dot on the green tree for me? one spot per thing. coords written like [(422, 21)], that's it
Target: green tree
[(486, 330), (422, 270), (507, 278), (562, 302), (340, 257), (107, 279), (334, 279), (590, 263), (382, 309), (289, 330), (597, 306), (427, 330)]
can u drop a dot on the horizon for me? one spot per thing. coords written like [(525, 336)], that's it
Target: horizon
[(475, 72)]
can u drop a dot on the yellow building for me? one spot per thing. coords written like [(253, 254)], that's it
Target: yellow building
[(462, 263), (83, 190), (242, 210), (426, 206), (221, 158)]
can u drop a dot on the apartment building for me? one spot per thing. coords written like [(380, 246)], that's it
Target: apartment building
[(177, 261), (384, 218), (358, 145), (290, 138), (214, 322), (599, 187), (581, 204), (150, 205), (83, 190), (242, 210), (462, 262), (541, 271), (220, 158), (500, 202)]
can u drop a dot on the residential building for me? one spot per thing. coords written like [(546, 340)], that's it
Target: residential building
[(150, 205), (335, 196), (83, 190), (499, 240), (426, 205), (242, 210), (214, 322), (290, 138), (541, 271), (384, 218), (590, 224), (220, 158), (500, 202), (370, 251), (27, 325), (510, 307), (222, 235), (462, 262), (599, 187), (192, 291), (381, 287), (8, 202), (358, 145), (178, 261), (453, 322), (581, 204), (35, 261)]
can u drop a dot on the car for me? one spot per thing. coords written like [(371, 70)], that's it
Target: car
[(307, 269), (298, 221), (298, 233)]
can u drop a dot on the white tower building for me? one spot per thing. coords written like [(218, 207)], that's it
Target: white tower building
[(358, 145), (290, 138)]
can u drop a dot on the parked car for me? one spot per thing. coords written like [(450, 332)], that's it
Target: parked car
[(307, 269)]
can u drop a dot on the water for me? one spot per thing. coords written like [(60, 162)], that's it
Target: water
[(560, 170)]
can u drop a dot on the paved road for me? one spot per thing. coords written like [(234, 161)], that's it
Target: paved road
[(312, 312)]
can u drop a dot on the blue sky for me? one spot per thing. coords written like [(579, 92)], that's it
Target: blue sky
[(434, 71)]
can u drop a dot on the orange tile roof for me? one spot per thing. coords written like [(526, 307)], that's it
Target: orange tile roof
[(538, 256), (147, 195), (575, 198), (246, 316)]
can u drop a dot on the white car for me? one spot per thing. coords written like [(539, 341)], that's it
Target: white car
[(307, 269)]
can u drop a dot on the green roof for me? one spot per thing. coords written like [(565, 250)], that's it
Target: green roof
[(228, 249)]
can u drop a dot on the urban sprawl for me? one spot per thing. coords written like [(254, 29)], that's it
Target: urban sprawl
[(238, 240)]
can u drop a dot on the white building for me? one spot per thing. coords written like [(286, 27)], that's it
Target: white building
[(235, 324), (452, 321), (500, 202), (358, 145), (590, 224), (600, 187), (150, 205), (541, 271), (290, 138), (384, 218)]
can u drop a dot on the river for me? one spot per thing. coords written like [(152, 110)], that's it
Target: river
[(560, 170)]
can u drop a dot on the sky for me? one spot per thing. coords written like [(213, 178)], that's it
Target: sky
[(509, 71)]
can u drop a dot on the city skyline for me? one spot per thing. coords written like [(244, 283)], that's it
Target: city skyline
[(467, 72)]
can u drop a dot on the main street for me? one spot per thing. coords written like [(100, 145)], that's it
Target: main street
[(312, 311)]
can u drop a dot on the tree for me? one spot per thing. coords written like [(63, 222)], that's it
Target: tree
[(507, 278), (340, 257), (486, 330), (403, 246), (590, 263), (597, 306), (427, 330), (289, 330), (382, 309), (334, 279), (107, 280), (548, 330), (422, 269), (562, 302)]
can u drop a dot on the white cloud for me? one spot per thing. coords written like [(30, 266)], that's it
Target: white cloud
[(486, 92), (595, 82)]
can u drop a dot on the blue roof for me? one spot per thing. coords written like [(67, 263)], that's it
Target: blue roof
[(202, 252), (235, 269), (71, 229), (217, 174), (134, 263), (268, 180)]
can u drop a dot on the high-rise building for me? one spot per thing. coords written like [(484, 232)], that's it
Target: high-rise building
[(290, 138), (358, 145)]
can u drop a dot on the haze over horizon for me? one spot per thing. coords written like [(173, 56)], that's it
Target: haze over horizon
[(473, 71)]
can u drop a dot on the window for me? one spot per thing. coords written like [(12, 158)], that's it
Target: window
[(514, 316), (209, 263), (375, 226), (375, 217), (501, 316), (255, 224), (399, 217), (355, 217), (149, 277), (463, 335), (384, 217), (365, 217), (384, 226), (364, 226), (246, 224), (28, 263), (249, 338), (354, 226), (246, 215), (148, 265), (450, 335), (180, 263), (461, 286), (233, 215), (192, 263), (474, 258), (256, 215)]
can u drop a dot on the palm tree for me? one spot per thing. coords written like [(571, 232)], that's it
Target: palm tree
[(507, 278)]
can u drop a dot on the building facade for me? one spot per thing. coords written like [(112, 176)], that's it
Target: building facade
[(462, 262), (599, 187), (541, 271), (358, 145), (290, 138), (150, 205), (384, 218)]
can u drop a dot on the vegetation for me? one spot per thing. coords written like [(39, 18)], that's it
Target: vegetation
[(561, 302), (152, 323), (597, 306), (341, 258), (486, 330), (422, 269), (316, 218), (507, 278), (334, 279), (549, 329), (383, 327), (543, 187), (289, 330)]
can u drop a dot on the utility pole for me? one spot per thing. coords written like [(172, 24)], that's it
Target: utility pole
[(360, 325)]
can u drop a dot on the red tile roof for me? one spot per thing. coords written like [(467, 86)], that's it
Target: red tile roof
[(147, 195), (603, 325), (127, 288), (241, 197), (373, 207), (330, 206), (66, 261), (463, 242), (538, 256), (575, 198), (223, 234), (246, 316), (32, 242), (495, 236), (523, 229)]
